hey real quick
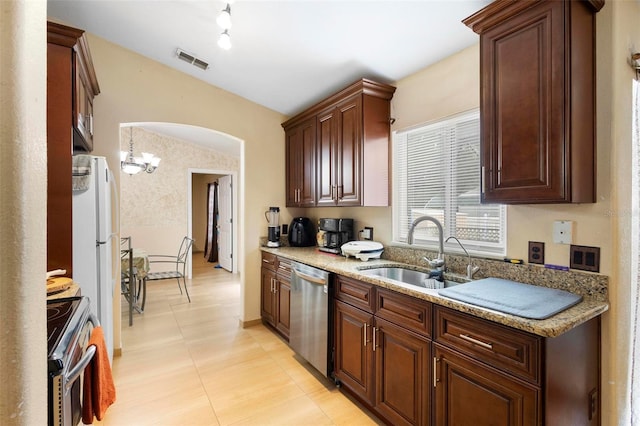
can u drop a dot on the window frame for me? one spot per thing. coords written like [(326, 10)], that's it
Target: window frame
[(400, 227)]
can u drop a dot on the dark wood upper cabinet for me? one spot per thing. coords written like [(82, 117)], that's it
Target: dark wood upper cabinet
[(301, 163), (537, 101), (68, 63), (350, 161)]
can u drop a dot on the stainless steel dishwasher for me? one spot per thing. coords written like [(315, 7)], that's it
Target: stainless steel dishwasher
[(310, 329)]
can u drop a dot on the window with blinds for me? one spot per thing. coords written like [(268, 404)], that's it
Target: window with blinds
[(437, 173)]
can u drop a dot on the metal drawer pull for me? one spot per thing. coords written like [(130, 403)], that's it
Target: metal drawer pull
[(373, 331), (364, 335), (435, 371), (475, 341)]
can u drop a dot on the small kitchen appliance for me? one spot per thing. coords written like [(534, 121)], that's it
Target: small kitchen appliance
[(333, 233), (363, 250), (302, 232), (273, 218)]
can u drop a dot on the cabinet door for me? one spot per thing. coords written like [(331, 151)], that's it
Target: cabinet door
[(300, 163), (82, 110), (354, 355), (470, 393), (283, 297), (267, 300), (525, 109), (348, 152), (326, 189), (402, 374)]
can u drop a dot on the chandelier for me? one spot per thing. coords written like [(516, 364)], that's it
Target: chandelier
[(224, 20), (134, 165)]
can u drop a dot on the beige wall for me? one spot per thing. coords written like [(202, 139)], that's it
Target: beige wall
[(136, 89), (619, 36)]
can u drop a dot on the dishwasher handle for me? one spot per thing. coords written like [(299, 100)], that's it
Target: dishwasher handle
[(309, 278)]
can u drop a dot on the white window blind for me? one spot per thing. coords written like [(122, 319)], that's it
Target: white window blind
[(437, 173)]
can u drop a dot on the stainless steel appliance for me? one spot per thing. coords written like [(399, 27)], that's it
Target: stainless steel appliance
[(273, 218), (302, 233), (333, 233), (69, 326), (309, 332)]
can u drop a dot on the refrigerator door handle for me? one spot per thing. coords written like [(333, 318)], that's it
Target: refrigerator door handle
[(113, 235)]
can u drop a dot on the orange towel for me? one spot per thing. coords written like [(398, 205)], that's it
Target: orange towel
[(99, 391)]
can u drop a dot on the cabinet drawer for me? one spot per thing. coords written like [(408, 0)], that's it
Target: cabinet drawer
[(405, 311), (269, 261), (356, 293), (284, 268), (505, 348)]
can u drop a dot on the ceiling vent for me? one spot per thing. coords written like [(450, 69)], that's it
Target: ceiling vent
[(191, 59)]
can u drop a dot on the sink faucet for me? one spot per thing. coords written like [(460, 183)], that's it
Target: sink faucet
[(437, 263), (471, 270)]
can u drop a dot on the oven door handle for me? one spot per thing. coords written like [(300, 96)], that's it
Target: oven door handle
[(79, 368)]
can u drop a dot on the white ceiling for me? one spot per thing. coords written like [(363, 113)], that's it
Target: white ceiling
[(286, 54)]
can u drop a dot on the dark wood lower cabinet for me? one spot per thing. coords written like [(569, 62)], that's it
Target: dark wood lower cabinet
[(384, 365), (354, 358), (402, 374), (416, 363), (468, 392), (283, 297), (275, 287)]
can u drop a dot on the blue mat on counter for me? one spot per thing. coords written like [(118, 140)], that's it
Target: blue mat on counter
[(510, 297)]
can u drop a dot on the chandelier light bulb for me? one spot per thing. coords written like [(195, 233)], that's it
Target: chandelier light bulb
[(224, 18), (225, 40)]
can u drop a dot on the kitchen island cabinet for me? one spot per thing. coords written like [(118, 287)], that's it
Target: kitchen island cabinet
[(350, 135), (71, 86), (537, 101)]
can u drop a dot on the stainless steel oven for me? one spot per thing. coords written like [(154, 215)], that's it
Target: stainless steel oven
[(69, 326)]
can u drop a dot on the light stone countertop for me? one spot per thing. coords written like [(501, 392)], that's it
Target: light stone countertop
[(554, 326)]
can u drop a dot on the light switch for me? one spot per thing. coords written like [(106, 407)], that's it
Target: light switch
[(563, 231)]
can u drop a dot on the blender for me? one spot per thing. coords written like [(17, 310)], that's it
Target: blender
[(273, 218)]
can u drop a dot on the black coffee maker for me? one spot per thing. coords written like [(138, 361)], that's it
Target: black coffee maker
[(333, 233)]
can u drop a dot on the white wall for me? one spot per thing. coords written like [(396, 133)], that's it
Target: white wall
[(23, 211)]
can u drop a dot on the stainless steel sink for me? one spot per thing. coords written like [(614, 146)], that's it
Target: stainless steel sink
[(408, 276)]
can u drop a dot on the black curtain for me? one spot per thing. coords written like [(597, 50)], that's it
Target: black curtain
[(211, 245)]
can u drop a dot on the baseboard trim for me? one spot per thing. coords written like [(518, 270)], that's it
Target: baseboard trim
[(252, 323)]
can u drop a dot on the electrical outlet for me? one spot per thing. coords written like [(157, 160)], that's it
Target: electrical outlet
[(536, 252), (367, 233), (584, 258)]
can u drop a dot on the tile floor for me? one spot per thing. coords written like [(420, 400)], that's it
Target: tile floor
[(192, 364)]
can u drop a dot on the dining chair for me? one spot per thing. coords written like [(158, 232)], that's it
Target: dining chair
[(180, 262), (127, 275)]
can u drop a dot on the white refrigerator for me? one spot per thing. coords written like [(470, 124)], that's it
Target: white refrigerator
[(93, 239)]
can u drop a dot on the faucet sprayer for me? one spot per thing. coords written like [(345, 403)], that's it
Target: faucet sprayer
[(470, 268)]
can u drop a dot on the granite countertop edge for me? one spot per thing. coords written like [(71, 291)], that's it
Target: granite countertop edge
[(553, 326)]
